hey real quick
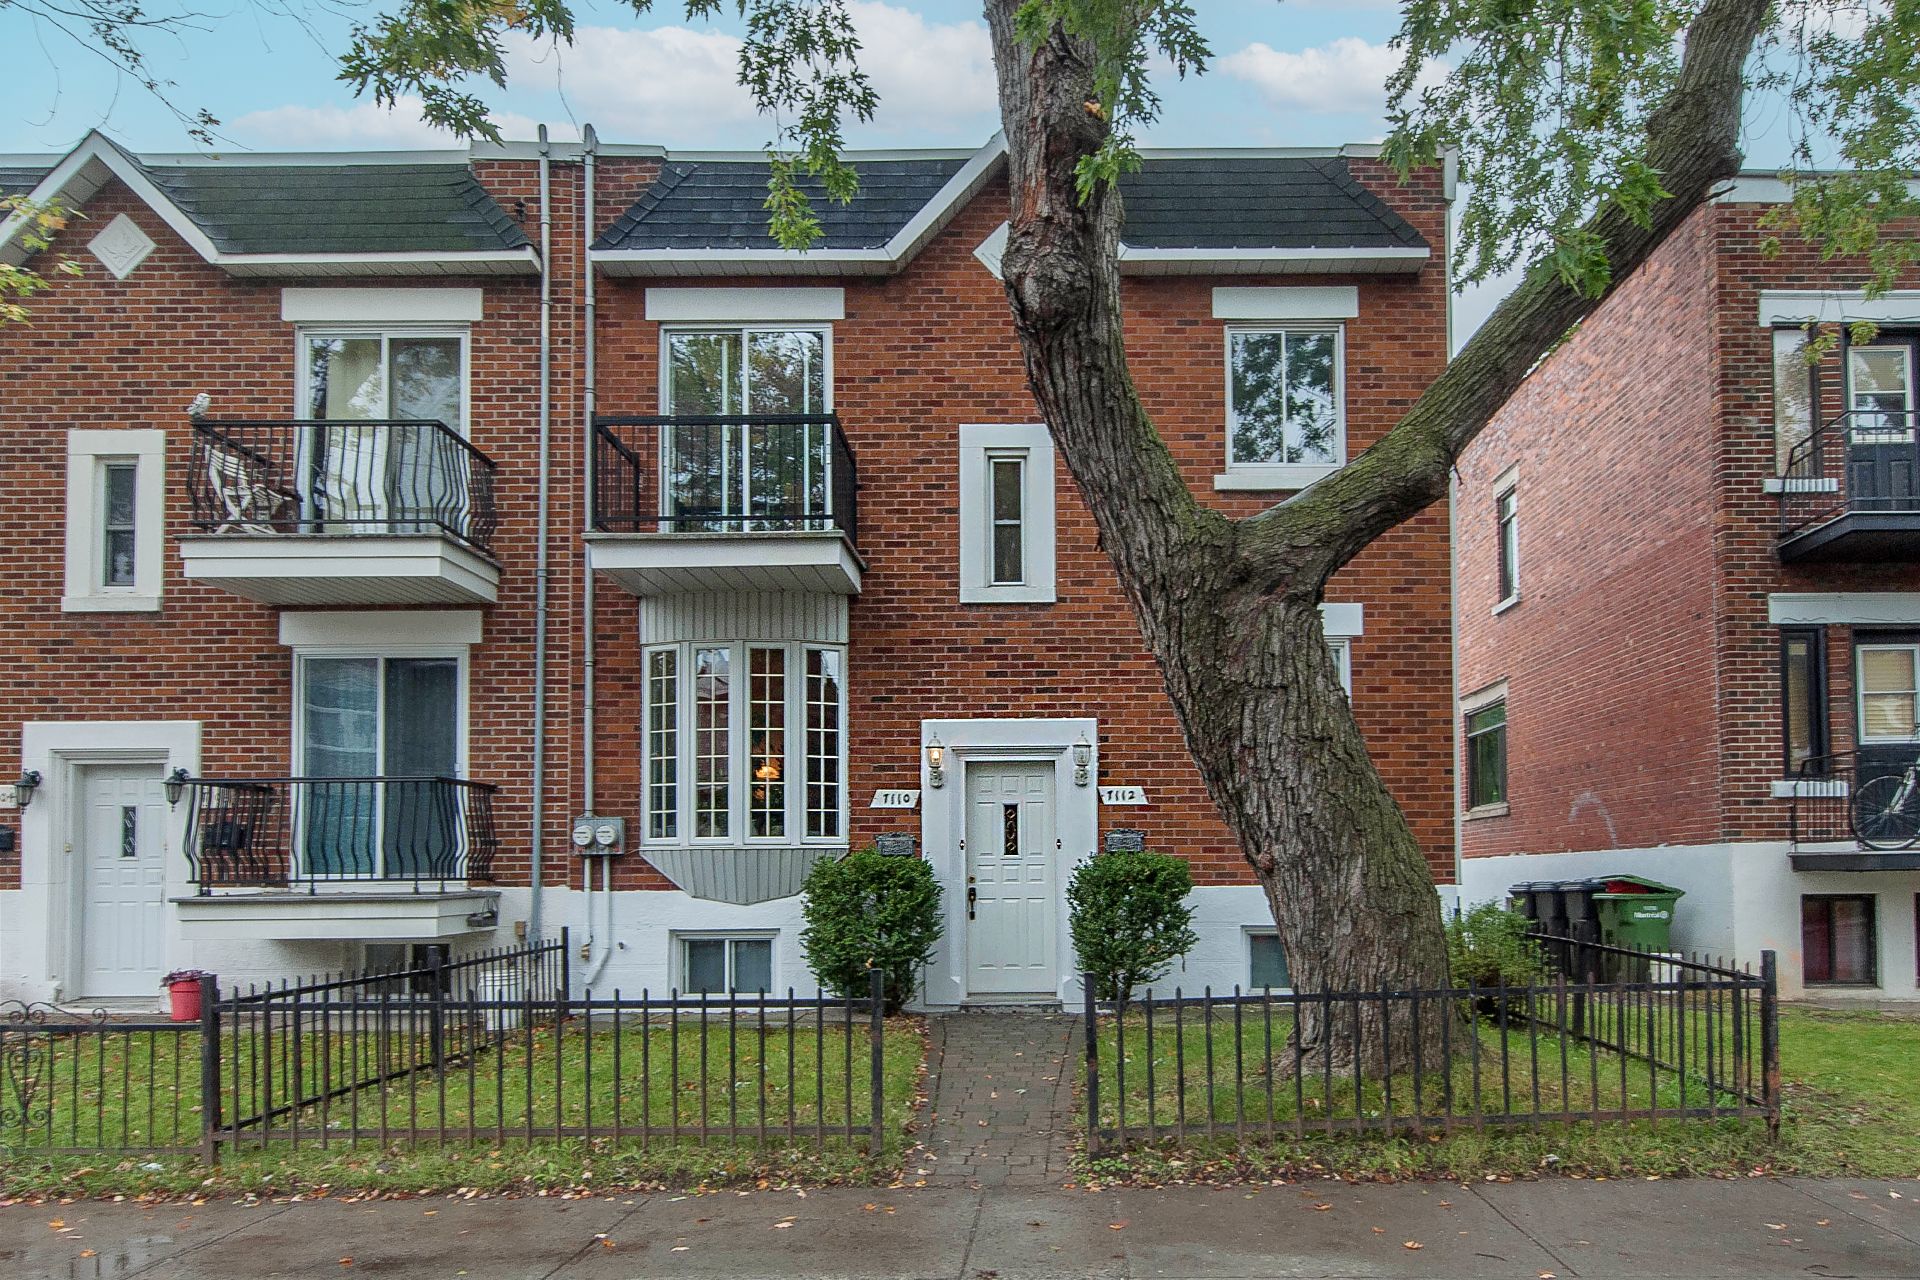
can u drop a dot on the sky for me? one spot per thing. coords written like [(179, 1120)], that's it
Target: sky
[(1298, 73)]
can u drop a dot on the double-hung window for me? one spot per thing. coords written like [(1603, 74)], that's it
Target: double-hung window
[(1286, 415), (116, 499), (752, 447), (745, 743), (1486, 735), (1888, 676), (407, 470), (1506, 523), (1006, 514)]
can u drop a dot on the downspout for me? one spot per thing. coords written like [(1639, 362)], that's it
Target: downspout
[(599, 954), (540, 554)]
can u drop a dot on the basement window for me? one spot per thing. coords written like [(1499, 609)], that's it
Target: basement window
[(726, 965), (1838, 940)]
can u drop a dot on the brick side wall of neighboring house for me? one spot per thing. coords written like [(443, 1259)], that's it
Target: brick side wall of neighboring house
[(932, 348), (105, 353), (1608, 657)]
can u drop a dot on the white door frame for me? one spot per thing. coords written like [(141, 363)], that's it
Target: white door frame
[(45, 965), (943, 825)]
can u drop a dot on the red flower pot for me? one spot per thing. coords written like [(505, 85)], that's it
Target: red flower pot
[(184, 996)]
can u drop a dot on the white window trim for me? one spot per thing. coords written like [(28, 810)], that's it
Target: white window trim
[(1860, 693), (1508, 483), (678, 940), (399, 306), (88, 452), (303, 361), (1247, 934), (738, 755), (821, 327), (1286, 303), (385, 629), (719, 307), (1271, 476), (979, 442)]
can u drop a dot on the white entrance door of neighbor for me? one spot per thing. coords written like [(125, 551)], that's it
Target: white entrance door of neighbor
[(120, 852), (1011, 840)]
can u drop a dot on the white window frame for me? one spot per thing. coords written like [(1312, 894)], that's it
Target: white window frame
[(1247, 935), (743, 328), (1342, 649), (1477, 701), (980, 444), (1860, 691), (303, 362), (89, 452), (681, 970), (738, 753), (1273, 476), (1505, 487)]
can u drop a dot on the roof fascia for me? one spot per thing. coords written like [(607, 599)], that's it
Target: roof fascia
[(86, 169)]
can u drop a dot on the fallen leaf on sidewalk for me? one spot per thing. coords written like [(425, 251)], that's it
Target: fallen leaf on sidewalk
[(1823, 1222), (1322, 1207), (88, 1253), (1548, 1275), (1379, 1231), (1116, 1226), (1776, 1226), (679, 1248), (869, 1206), (1411, 1244), (606, 1243), (346, 1262), (58, 1224)]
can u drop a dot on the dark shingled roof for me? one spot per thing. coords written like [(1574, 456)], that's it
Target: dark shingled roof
[(1246, 202), (1258, 202), (345, 208), (721, 204), (19, 179)]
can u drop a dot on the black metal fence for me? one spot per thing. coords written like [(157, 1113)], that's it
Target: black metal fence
[(488, 1049), (340, 476), (1661, 1038), (312, 832), (731, 474)]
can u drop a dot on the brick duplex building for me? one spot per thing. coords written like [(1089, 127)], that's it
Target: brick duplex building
[(550, 548), (1688, 601)]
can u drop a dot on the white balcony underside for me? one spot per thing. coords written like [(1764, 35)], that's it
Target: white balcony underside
[(342, 569), (289, 916), (660, 564)]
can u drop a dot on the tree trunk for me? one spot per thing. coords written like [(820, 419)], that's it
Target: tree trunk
[(1231, 608)]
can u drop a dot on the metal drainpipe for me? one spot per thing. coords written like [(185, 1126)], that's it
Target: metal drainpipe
[(590, 144), (540, 554)]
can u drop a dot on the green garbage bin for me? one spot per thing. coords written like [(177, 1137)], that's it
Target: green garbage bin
[(1635, 912)]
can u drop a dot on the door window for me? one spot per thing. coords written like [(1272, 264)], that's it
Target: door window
[(1888, 709), (1881, 386), (717, 475)]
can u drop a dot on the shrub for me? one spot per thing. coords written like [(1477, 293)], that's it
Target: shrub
[(870, 910), (1488, 945), (1129, 918)]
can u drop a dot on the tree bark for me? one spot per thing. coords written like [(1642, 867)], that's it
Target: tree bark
[(1230, 608)]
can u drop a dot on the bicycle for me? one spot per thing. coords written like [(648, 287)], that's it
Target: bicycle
[(1886, 810)]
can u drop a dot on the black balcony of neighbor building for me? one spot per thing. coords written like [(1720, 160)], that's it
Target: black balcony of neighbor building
[(1850, 491), (315, 834), (341, 511), (725, 503), (1856, 810)]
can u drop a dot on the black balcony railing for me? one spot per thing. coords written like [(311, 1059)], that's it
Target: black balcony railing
[(340, 476), (312, 832), (752, 474), (1861, 464)]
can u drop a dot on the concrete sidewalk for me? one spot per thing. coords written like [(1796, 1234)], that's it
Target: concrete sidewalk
[(1559, 1228)]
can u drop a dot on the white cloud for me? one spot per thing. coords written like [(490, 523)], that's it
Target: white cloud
[(363, 125), (931, 77), (1348, 75)]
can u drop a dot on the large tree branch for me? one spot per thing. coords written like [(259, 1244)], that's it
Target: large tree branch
[(1693, 144)]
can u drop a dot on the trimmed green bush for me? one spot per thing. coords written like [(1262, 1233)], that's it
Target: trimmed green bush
[(1129, 918), (1488, 945), (868, 910)]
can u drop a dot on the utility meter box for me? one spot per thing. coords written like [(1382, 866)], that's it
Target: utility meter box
[(598, 837)]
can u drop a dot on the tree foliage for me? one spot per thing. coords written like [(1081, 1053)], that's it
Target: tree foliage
[(1129, 918), (870, 911)]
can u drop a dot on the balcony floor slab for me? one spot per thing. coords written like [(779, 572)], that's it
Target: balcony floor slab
[(338, 915), (658, 564), (342, 569)]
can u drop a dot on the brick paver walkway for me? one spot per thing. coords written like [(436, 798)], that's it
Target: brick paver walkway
[(999, 1101)]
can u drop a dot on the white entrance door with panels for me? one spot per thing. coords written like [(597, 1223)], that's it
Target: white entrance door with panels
[(120, 851), (1012, 842)]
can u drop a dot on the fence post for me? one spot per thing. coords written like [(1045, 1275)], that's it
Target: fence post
[(876, 1057), (209, 1068), (437, 973), (1093, 1066), (565, 994), (1770, 1039)]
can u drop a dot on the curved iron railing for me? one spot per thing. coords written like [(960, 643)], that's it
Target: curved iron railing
[(754, 473), (310, 832), (340, 476)]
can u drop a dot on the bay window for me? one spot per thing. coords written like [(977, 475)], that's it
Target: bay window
[(764, 758)]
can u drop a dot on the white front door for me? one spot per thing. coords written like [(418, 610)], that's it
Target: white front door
[(1011, 843), (122, 869)]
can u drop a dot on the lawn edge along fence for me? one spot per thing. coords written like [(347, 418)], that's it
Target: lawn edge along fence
[(488, 1048), (1616, 1035)]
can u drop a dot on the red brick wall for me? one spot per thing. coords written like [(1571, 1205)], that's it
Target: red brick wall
[(1609, 655), (932, 348)]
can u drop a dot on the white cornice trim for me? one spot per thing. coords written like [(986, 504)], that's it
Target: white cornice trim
[(1838, 306), (673, 305), (1844, 608), (373, 629)]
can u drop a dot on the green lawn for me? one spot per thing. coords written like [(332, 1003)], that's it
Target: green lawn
[(688, 1105), (1849, 1107)]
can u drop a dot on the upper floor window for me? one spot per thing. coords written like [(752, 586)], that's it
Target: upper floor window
[(1006, 514), (1284, 397), (1506, 519), (407, 375), (1486, 733), (1792, 395), (746, 371), (116, 492), (1803, 699), (745, 742), (1889, 682)]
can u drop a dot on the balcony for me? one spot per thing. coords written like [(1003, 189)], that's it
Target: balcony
[(1856, 811), (376, 857), (341, 512), (725, 504), (1850, 492)]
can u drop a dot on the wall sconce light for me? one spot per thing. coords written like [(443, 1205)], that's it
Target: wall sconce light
[(936, 763), (1082, 761), (176, 783), (23, 789)]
